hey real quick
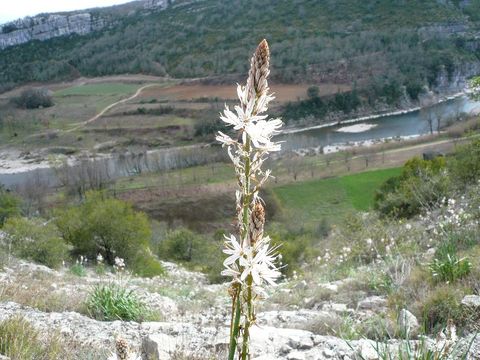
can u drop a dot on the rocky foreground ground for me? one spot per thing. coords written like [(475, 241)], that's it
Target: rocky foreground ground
[(193, 316)]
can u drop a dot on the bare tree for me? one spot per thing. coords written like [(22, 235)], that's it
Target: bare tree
[(439, 115), (427, 111)]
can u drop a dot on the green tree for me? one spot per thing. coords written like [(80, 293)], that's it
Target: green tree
[(313, 92), (107, 226), (37, 240), (9, 205)]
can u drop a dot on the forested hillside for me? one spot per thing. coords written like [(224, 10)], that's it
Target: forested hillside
[(376, 45)]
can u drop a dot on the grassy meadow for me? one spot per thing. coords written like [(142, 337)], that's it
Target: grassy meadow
[(333, 197)]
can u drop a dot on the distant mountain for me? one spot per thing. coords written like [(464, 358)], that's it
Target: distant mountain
[(386, 48)]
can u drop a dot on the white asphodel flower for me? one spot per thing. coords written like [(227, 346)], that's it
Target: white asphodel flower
[(250, 259), (232, 248), (257, 260)]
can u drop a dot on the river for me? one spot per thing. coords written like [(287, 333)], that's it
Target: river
[(379, 127), (390, 126)]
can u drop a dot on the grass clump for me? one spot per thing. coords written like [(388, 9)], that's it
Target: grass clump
[(450, 268), (113, 302), (78, 270), (20, 341)]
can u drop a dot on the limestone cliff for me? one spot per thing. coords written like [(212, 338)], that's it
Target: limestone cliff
[(47, 26)]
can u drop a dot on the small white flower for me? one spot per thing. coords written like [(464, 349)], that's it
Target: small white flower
[(119, 262)]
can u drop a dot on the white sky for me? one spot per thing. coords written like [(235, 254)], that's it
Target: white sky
[(14, 9)]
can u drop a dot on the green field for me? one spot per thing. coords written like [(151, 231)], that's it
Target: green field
[(311, 201), (99, 89)]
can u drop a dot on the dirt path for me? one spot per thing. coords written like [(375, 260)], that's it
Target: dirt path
[(102, 112)]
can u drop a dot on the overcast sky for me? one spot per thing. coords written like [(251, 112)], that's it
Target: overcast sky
[(14, 9)]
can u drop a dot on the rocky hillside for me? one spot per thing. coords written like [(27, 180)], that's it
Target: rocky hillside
[(193, 316), (46, 26)]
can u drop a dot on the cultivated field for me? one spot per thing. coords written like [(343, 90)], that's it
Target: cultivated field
[(94, 114)]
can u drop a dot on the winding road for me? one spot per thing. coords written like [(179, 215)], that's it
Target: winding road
[(101, 113)]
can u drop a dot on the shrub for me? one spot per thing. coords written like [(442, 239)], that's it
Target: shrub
[(36, 240), (34, 98), (313, 91), (465, 165), (106, 226), (204, 127), (422, 183), (194, 251), (113, 302), (9, 205), (440, 306), (179, 245), (295, 248), (147, 265), (450, 268)]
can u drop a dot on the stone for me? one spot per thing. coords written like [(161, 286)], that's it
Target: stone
[(328, 353), (296, 355), (329, 286), (408, 322), (302, 342), (367, 351), (302, 285), (338, 308), (293, 319), (471, 301), (373, 303), (159, 346)]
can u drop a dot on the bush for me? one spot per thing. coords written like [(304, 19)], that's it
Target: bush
[(422, 183), (204, 127), (147, 265), (9, 205), (180, 245), (113, 302), (36, 240), (106, 226), (295, 248), (465, 165), (194, 251), (440, 306), (34, 98)]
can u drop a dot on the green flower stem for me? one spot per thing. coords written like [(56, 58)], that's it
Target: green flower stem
[(236, 313), (248, 320)]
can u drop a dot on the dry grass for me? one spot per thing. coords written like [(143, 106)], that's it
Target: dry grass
[(38, 291), (19, 340)]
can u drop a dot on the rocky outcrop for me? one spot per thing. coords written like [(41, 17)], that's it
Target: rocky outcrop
[(156, 4), (471, 301), (46, 26), (43, 27)]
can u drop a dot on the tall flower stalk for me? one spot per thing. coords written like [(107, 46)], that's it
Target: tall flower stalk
[(251, 258)]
